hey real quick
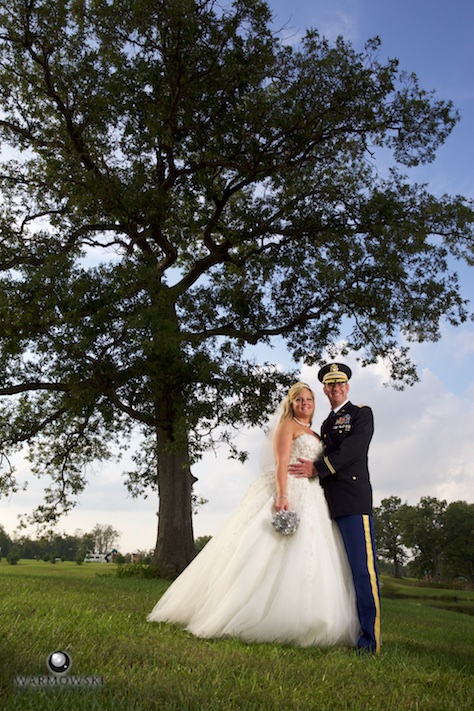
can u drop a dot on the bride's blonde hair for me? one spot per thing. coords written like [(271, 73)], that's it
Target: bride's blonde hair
[(292, 394)]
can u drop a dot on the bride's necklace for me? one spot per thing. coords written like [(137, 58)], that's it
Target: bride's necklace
[(304, 424)]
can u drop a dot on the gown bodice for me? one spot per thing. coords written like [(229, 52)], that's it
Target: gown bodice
[(306, 446)]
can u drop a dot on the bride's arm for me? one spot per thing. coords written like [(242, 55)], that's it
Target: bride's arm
[(282, 442)]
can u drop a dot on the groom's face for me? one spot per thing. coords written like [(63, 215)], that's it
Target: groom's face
[(336, 393)]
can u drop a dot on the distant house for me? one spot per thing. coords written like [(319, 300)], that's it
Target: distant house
[(100, 557), (95, 558)]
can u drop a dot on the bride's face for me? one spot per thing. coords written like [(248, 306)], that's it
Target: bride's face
[(303, 405)]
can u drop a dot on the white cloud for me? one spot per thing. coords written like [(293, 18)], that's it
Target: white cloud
[(422, 445)]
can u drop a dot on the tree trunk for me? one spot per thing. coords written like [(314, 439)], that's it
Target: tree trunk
[(174, 548), (436, 575), (175, 540)]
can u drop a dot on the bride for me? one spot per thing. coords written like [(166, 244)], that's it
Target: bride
[(255, 583)]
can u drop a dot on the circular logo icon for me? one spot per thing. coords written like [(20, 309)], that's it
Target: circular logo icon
[(59, 662)]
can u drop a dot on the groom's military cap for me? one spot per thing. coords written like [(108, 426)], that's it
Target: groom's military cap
[(334, 373)]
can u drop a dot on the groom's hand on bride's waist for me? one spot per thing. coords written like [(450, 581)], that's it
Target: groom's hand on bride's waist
[(302, 468)]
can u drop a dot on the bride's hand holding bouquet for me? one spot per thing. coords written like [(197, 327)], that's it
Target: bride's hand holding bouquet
[(281, 503)]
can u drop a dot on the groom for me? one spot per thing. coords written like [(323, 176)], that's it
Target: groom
[(343, 472)]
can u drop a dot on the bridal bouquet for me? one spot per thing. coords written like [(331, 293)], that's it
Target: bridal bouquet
[(285, 522)]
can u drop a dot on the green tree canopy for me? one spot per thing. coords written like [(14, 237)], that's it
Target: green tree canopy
[(5, 541), (388, 526), (105, 538), (423, 532), (458, 552), (184, 186)]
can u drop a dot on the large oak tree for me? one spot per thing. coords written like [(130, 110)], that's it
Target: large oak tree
[(183, 186)]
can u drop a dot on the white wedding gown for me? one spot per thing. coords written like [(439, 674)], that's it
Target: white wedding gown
[(262, 586)]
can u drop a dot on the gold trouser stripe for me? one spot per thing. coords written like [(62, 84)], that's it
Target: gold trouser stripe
[(329, 465), (373, 579)]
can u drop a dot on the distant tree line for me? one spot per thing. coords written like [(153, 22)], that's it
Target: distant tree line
[(53, 546), (433, 540), (436, 538), (56, 546)]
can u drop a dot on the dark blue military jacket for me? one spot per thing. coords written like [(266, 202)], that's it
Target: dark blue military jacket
[(343, 466)]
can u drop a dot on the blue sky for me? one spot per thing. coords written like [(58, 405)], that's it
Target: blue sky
[(423, 443)]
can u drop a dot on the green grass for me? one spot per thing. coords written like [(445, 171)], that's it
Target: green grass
[(427, 660), (431, 595)]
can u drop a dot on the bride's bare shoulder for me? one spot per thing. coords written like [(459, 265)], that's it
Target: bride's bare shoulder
[(286, 428)]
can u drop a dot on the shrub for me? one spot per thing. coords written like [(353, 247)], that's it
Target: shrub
[(137, 570), (13, 556)]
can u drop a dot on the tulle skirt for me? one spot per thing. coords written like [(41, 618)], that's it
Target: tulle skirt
[(262, 586)]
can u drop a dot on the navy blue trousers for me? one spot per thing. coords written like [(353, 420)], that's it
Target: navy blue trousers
[(358, 535)]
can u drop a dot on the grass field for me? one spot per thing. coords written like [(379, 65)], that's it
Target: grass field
[(427, 660)]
